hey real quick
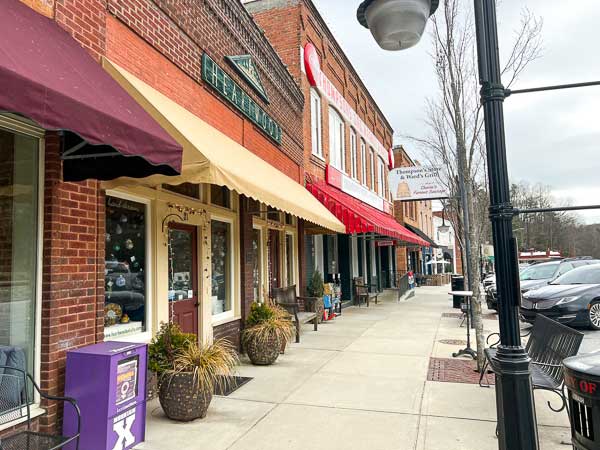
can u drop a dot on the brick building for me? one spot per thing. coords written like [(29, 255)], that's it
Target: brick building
[(347, 142), (190, 235)]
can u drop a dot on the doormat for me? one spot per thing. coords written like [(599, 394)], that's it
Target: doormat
[(453, 315), (455, 370), (452, 341), (487, 316), (231, 385)]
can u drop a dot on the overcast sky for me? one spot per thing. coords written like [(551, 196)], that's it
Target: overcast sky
[(552, 138)]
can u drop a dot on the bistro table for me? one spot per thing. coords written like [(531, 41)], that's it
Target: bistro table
[(467, 350)]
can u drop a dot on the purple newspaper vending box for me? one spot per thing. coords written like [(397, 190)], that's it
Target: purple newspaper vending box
[(108, 380)]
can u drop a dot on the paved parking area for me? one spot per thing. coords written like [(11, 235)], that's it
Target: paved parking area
[(358, 383)]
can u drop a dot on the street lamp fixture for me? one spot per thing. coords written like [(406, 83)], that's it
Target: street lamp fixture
[(396, 24), (443, 228)]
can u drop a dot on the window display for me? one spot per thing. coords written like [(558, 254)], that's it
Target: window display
[(289, 254), (221, 266), (220, 196), (125, 269), (19, 175), (257, 264)]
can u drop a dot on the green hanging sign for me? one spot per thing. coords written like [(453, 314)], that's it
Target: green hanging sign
[(245, 67), (216, 77)]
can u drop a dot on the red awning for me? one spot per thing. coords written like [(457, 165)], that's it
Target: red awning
[(46, 76), (360, 217)]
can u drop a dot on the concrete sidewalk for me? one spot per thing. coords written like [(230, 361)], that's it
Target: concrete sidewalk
[(360, 382)]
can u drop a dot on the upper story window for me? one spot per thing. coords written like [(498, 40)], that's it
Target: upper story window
[(315, 124), (372, 167), (381, 178), (363, 161), (337, 152), (353, 155)]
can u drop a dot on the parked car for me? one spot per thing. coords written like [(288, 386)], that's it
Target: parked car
[(540, 275), (572, 298)]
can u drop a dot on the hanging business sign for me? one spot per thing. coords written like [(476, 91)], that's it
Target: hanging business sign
[(344, 183), (417, 183), (385, 243), (318, 79), (216, 77)]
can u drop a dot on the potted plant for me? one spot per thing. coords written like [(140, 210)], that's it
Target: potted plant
[(316, 288), (268, 329), (187, 372)]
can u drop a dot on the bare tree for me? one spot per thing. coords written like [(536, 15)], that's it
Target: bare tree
[(455, 122)]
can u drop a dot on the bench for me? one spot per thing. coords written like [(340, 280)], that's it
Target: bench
[(549, 344), (286, 298), (15, 406), (361, 292)]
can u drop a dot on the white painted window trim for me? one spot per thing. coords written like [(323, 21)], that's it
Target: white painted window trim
[(353, 155), (14, 124), (319, 244), (144, 336), (337, 140), (363, 161), (261, 262), (316, 121), (372, 168), (381, 178), (233, 313), (294, 274)]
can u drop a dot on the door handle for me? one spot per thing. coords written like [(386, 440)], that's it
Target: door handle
[(196, 304)]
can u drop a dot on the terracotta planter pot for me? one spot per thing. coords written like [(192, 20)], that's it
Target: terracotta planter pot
[(181, 399), (263, 353)]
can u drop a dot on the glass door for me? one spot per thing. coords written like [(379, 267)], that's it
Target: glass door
[(183, 277)]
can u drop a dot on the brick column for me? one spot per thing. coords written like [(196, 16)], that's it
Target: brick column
[(73, 274)]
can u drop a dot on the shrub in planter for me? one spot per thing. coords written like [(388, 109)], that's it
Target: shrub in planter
[(268, 329), (316, 288), (187, 372)]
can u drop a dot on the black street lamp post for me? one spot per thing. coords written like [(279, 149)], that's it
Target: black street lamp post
[(517, 428)]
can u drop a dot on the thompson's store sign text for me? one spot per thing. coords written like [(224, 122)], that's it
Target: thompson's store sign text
[(417, 183)]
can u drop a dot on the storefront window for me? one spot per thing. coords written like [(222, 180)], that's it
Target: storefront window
[(18, 248), (257, 264), (221, 255), (187, 189), (125, 268), (289, 255), (220, 196)]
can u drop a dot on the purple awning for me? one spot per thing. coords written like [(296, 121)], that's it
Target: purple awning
[(46, 76)]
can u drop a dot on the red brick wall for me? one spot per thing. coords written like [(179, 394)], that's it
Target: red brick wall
[(303, 24), (85, 20), (229, 331), (179, 32), (73, 272), (135, 55)]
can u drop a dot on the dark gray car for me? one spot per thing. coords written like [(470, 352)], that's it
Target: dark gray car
[(540, 275), (573, 298)]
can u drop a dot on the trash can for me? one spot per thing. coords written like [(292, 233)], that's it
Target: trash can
[(458, 284), (582, 379)]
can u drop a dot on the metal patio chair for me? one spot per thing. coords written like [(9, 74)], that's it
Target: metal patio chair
[(15, 407)]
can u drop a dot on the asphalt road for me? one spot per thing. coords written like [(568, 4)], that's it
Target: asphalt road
[(591, 341)]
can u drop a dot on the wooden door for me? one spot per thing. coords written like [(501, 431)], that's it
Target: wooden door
[(274, 260), (183, 277)]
